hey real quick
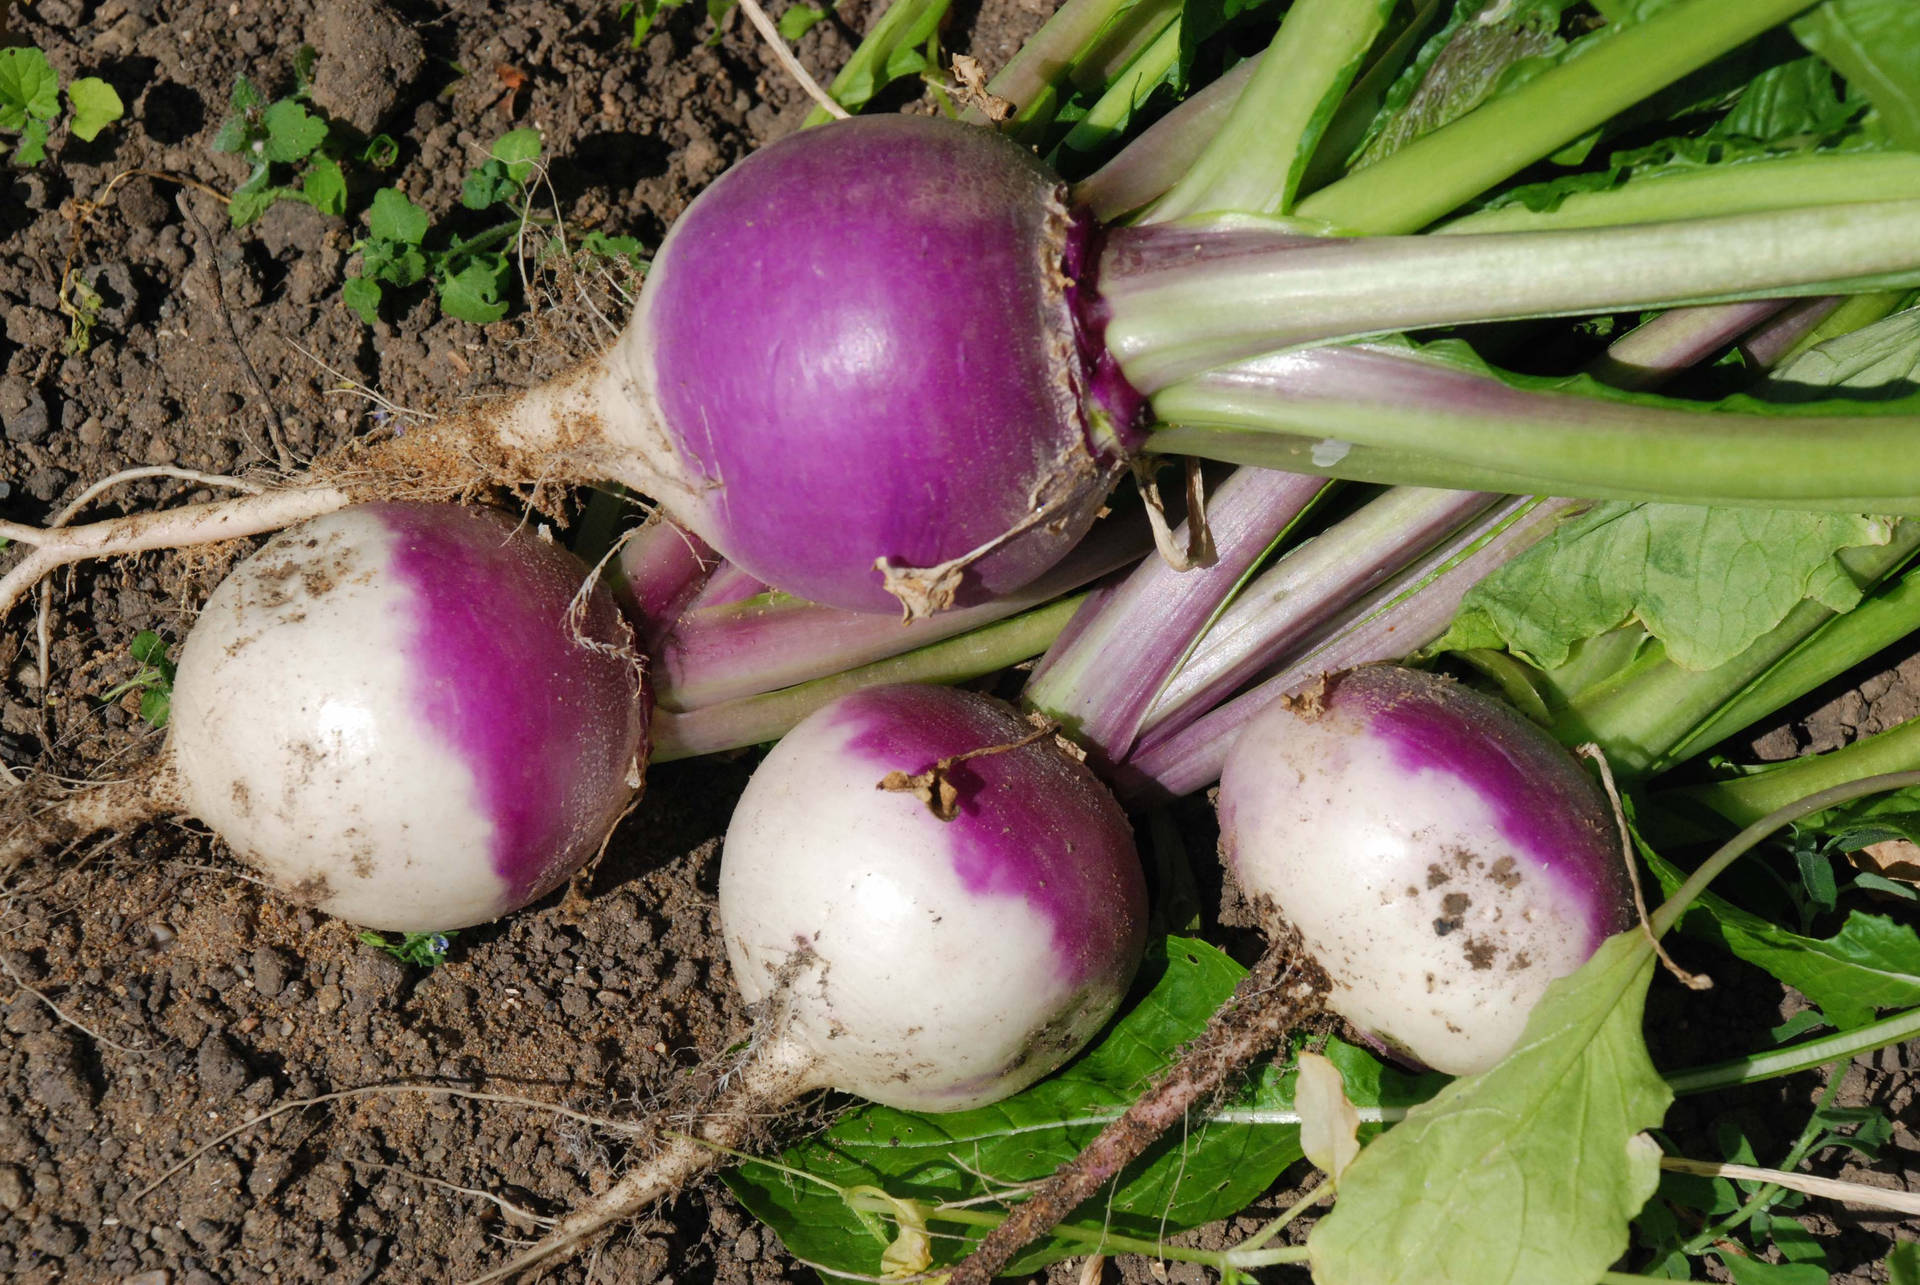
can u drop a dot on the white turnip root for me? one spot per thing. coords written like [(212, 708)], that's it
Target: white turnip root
[(398, 713), (1425, 861), (925, 963)]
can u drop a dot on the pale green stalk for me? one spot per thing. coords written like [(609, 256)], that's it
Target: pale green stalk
[(1255, 162), (1795, 1058), (755, 720), (1744, 799), (1435, 173), (1264, 291), (1110, 114), (1745, 187)]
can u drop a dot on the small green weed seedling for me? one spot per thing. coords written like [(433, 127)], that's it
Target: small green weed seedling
[(421, 950), (294, 154), (153, 680), (470, 274), (30, 103), (298, 156), (641, 14)]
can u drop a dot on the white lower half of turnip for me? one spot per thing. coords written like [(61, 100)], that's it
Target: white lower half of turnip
[(398, 713)]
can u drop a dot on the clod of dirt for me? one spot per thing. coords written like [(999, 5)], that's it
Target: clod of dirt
[(222, 1071), (23, 410), (368, 57), (271, 971)]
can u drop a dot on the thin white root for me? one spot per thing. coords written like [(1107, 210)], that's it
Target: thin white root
[(506, 1206), (776, 1072), (371, 1090), (72, 511), (124, 476), (54, 547), (34, 820), (67, 1017), (348, 384), (1847, 1193), (681, 1161), (1692, 981)]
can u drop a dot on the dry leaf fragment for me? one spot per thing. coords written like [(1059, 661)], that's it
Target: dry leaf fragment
[(1329, 1124)]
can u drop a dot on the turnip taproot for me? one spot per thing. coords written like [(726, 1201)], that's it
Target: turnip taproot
[(924, 963), (407, 715), (1425, 860)]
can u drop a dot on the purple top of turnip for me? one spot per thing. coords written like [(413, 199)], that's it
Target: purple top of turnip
[(1549, 809), (1032, 823), (837, 287), (539, 702)]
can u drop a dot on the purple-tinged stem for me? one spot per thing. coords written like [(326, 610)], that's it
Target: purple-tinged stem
[(658, 573), (1394, 621), (1650, 355), (727, 585), (1155, 161), (1103, 673), (755, 720), (1183, 298), (1771, 342), (1856, 312), (1293, 599), (728, 652)]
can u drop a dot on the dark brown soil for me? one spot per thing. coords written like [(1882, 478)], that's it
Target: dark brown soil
[(188, 1001)]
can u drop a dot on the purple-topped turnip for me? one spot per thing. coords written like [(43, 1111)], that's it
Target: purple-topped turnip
[(407, 715), (810, 347), (1011, 929), (1440, 856), (1425, 860), (931, 904)]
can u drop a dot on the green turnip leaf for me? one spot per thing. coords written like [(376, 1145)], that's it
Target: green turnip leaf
[(1873, 962), (1707, 582), (1527, 1173), (1876, 45)]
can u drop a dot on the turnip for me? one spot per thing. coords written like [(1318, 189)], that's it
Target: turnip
[(885, 362), (1472, 862), (407, 715), (1425, 860), (925, 963)]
